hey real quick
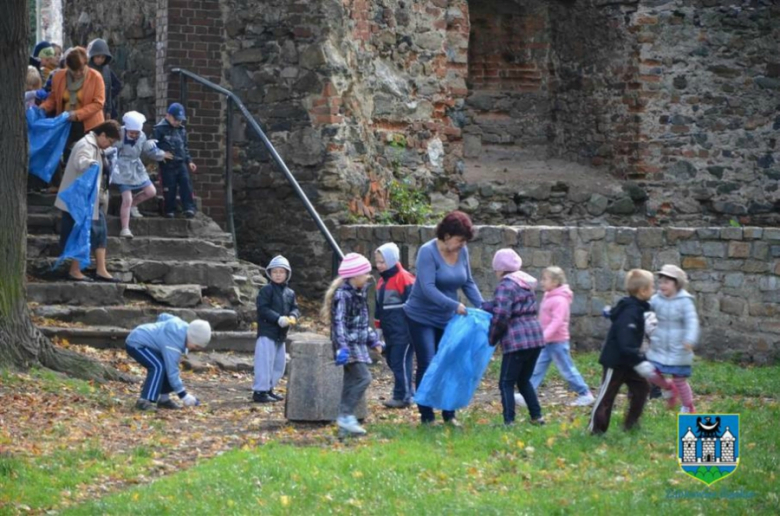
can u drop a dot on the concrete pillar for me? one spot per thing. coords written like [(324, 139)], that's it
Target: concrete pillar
[(314, 384)]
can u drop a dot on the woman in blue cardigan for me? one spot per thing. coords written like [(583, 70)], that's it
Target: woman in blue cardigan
[(442, 269)]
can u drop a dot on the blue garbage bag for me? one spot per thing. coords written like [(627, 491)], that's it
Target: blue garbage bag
[(80, 198), (458, 366), (47, 138)]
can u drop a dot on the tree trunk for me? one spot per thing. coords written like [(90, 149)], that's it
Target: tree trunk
[(21, 344)]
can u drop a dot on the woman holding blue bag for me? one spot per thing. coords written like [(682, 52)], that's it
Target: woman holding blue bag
[(442, 269)]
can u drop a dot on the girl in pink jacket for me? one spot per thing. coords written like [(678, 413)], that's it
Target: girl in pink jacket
[(554, 316)]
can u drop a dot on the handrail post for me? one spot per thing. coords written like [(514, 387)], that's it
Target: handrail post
[(183, 90), (229, 173)]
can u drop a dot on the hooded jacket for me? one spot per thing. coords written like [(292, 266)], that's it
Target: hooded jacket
[(392, 291), (174, 140), (92, 96), (624, 340), (128, 168), (555, 313), (678, 323), (274, 301), (168, 337), (350, 327), (113, 86)]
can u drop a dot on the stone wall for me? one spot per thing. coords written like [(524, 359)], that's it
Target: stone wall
[(733, 274), (129, 29)]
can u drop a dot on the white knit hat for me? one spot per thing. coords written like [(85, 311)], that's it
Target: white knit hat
[(199, 333), (134, 121)]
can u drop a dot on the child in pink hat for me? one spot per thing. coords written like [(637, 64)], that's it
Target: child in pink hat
[(346, 308)]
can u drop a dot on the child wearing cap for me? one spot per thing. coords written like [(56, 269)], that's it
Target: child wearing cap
[(128, 171), (677, 332), (171, 137), (392, 291), (346, 309), (277, 311), (158, 347), (515, 325)]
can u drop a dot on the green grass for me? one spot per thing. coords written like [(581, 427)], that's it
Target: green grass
[(487, 469)]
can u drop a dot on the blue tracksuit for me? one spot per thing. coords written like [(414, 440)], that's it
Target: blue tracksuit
[(175, 172), (159, 346)]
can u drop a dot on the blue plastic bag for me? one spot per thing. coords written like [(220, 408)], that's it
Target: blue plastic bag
[(47, 138), (80, 198), (457, 368)]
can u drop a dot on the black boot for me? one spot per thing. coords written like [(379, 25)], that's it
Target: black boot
[(274, 396), (261, 397)]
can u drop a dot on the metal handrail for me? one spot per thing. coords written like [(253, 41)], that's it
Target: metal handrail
[(232, 98)]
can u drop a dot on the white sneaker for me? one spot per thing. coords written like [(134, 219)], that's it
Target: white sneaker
[(125, 233), (583, 401), (135, 213), (350, 424), (519, 400)]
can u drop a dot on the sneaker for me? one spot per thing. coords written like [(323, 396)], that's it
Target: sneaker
[(583, 401), (170, 215), (519, 400), (261, 397), (687, 410), (655, 392), (135, 213), (145, 405), (125, 233), (168, 404), (396, 404), (189, 214), (454, 423), (538, 422), (274, 396), (350, 424)]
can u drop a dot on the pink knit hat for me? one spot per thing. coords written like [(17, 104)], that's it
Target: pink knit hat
[(507, 260), (354, 264)]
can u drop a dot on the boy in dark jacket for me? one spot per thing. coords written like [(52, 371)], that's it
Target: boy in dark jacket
[(99, 59), (277, 310), (392, 291), (621, 358), (171, 137)]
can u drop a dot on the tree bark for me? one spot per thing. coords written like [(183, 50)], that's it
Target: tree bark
[(21, 344)]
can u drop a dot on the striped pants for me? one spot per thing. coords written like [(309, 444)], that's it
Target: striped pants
[(156, 382)]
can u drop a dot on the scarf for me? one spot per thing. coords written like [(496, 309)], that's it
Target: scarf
[(74, 86)]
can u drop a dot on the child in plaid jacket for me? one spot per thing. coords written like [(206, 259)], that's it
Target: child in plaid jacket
[(515, 325)]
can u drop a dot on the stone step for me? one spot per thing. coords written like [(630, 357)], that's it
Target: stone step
[(77, 293), (131, 316), (148, 248), (46, 200), (113, 337), (49, 224)]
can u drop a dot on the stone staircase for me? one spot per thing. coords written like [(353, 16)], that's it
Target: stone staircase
[(186, 267)]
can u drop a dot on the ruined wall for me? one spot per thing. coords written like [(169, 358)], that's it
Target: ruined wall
[(508, 77), (734, 274), (129, 29)]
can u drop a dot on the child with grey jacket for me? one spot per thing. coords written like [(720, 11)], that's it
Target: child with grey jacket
[(672, 342)]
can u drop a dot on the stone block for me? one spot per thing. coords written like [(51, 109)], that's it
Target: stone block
[(669, 256), (755, 266), (562, 257), (581, 258), (760, 251), (728, 265), (675, 234), (739, 249), (175, 295), (708, 233), (734, 280), (398, 234), (553, 236), (597, 205), (710, 303), (605, 280), (690, 247), (598, 254), (490, 235), (622, 206), (542, 258), (584, 280), (625, 236), (732, 305), (771, 234), (579, 305), (532, 237), (767, 283), (731, 233), (315, 382), (752, 233), (694, 262), (591, 234), (777, 269), (347, 233), (413, 234), (510, 237), (650, 237), (714, 249), (705, 287), (616, 256), (756, 309)]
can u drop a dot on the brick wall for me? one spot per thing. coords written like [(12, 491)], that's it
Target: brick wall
[(190, 36), (734, 274)]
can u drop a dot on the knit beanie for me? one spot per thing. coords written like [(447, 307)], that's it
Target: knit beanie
[(507, 260), (390, 253), (354, 265), (279, 262), (199, 332)]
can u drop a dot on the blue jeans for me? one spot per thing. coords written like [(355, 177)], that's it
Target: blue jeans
[(516, 369), (558, 352), (176, 175), (425, 341)]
